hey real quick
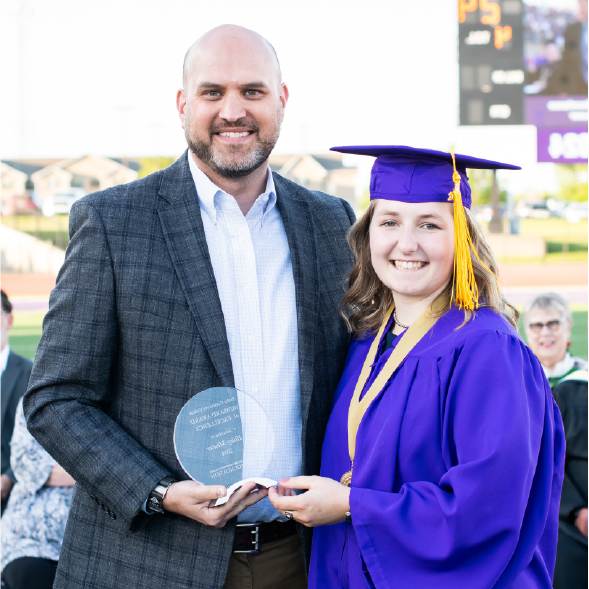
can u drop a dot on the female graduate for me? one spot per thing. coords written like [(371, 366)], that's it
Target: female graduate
[(443, 457)]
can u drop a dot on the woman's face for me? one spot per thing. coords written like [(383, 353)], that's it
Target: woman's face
[(412, 247), (548, 342)]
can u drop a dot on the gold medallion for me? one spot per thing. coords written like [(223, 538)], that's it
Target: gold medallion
[(346, 479)]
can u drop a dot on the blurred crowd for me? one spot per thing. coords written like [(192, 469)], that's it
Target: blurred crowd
[(555, 50), (36, 491)]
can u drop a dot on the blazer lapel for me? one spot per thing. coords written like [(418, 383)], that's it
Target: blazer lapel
[(180, 217), (8, 381), (298, 224)]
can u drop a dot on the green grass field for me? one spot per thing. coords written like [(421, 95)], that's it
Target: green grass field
[(565, 242), (53, 229), (26, 333)]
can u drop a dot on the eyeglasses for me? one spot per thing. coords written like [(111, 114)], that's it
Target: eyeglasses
[(552, 325)]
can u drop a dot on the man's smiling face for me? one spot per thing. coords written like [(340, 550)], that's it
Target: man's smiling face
[(232, 104)]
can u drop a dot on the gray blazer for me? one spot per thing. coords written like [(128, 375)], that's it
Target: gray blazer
[(134, 329)]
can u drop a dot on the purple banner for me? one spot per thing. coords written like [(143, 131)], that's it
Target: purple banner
[(556, 111), (563, 145)]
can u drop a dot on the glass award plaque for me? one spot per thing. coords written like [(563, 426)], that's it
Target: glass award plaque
[(215, 447)]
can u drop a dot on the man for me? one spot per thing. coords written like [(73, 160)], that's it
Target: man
[(15, 376), (213, 272)]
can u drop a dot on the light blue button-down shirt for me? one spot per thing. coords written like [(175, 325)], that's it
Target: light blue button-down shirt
[(253, 270)]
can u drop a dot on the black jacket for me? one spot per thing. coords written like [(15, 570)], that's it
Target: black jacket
[(14, 384), (571, 397)]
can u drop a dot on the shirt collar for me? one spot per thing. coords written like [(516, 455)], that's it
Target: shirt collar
[(561, 368), (4, 357), (208, 192)]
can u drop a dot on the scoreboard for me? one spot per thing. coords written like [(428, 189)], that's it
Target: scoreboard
[(491, 58)]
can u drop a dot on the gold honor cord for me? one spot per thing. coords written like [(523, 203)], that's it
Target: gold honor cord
[(359, 407)]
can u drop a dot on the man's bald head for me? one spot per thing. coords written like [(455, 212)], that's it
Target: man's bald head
[(220, 37)]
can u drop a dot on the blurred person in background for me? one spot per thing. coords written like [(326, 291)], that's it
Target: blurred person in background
[(548, 322), (570, 75), (34, 521), (15, 377)]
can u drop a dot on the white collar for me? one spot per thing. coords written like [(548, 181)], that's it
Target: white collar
[(561, 368), (4, 357), (207, 191)]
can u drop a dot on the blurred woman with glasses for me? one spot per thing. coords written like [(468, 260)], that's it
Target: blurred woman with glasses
[(548, 321)]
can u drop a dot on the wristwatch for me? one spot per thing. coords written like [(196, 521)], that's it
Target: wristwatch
[(155, 501), (348, 516)]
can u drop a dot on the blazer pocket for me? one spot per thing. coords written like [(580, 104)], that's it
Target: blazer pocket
[(173, 312)]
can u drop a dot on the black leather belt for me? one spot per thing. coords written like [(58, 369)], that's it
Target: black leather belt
[(249, 537)]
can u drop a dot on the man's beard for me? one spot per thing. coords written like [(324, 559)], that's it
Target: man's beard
[(240, 164)]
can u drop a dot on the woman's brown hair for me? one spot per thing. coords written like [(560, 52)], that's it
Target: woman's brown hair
[(367, 299)]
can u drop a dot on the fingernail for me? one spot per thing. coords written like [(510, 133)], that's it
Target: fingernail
[(221, 491), (284, 480)]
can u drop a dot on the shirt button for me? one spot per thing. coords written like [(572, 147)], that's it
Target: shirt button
[(247, 289), (251, 338), (254, 441), (242, 240), (254, 389)]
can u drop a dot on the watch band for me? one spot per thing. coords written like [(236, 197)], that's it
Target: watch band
[(155, 501)]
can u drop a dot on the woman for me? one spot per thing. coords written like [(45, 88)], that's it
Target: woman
[(443, 424), (34, 521), (548, 321)]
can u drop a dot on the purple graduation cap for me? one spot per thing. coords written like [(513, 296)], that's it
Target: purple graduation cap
[(410, 174)]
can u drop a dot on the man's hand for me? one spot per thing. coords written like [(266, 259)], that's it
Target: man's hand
[(197, 501), (59, 478), (7, 484), (325, 502), (581, 521)]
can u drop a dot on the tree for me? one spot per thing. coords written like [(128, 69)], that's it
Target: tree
[(481, 184), (149, 165), (572, 179)]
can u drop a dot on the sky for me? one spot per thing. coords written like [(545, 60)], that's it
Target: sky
[(88, 77)]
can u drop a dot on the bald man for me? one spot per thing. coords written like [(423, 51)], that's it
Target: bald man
[(212, 272)]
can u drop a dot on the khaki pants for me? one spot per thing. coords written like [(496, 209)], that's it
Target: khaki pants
[(278, 565)]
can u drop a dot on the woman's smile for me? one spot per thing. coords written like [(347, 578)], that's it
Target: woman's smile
[(404, 265)]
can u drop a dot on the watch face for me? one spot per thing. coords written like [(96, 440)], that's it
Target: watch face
[(154, 504)]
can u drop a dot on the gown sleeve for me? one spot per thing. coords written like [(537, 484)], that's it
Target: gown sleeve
[(485, 520)]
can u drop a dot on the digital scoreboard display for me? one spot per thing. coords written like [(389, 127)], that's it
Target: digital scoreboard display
[(491, 50), (525, 62)]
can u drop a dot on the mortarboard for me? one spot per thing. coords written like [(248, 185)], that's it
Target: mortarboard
[(410, 174)]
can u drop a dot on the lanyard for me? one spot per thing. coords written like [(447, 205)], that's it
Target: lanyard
[(358, 407)]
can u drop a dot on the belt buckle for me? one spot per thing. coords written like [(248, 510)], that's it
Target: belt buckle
[(256, 540)]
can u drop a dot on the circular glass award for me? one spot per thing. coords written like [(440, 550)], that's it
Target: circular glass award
[(223, 436)]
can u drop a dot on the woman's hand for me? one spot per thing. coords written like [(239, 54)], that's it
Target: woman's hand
[(325, 502), (59, 478)]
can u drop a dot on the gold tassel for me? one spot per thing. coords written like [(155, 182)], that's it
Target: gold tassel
[(464, 287)]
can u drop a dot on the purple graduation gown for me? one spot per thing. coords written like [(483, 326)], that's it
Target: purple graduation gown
[(458, 468)]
